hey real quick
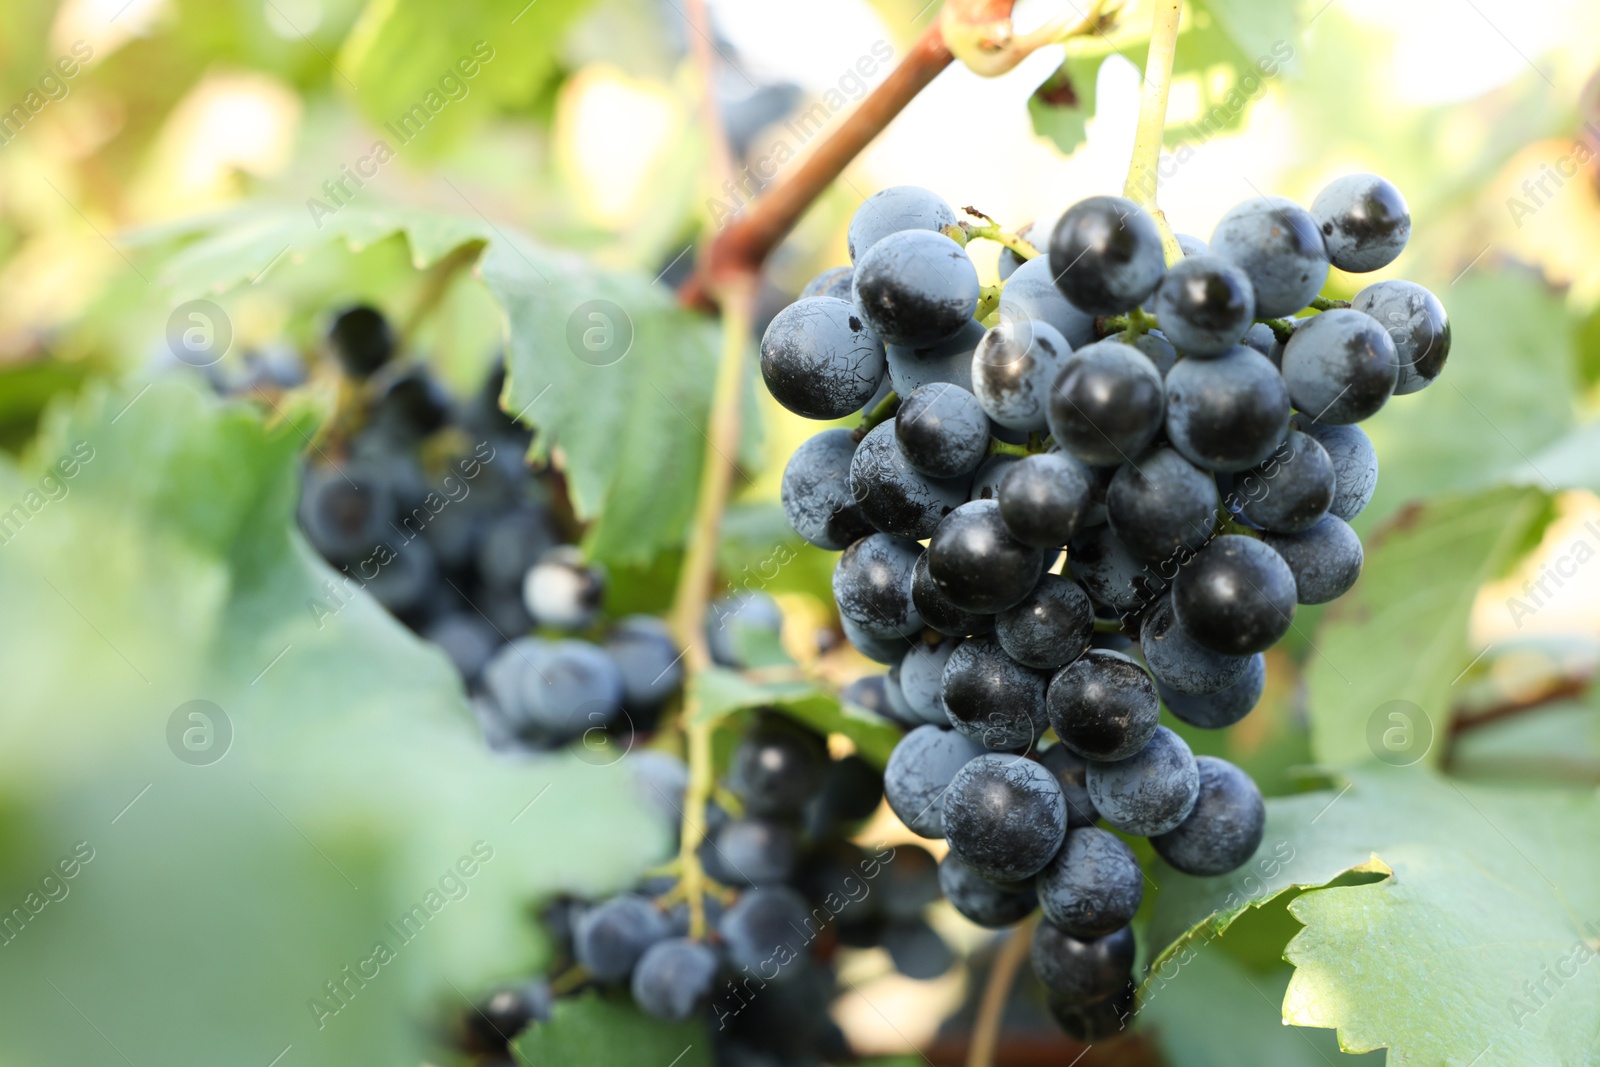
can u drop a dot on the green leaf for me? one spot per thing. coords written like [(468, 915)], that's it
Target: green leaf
[(1184, 1015), (1443, 959), (597, 1032), (162, 566), (719, 692), (1572, 462), (1061, 107), (1478, 425), (1400, 634), (425, 73)]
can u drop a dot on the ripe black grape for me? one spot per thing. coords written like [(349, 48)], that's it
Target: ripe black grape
[(982, 901), (1226, 706), (922, 680), (1106, 255), (1417, 324), (1081, 971), (1292, 489), (1071, 771), (673, 978), (1045, 498), (1179, 661), (915, 287), (764, 932), (977, 564), (362, 340), (816, 492), (1340, 366), (1106, 403), (899, 207), (1205, 305), (1277, 244), (920, 770), (948, 362), (1151, 791), (1103, 706), (777, 768), (1224, 829), (1004, 816), (991, 697), (1228, 413), (1093, 886), (893, 495), (820, 360), (1237, 596), (610, 937), (1355, 464), (872, 586), (942, 431), (834, 282), (1160, 505), (752, 851), (1325, 559), (1051, 626), (1012, 371), (1364, 220), (936, 609), (1031, 293), (1111, 574)]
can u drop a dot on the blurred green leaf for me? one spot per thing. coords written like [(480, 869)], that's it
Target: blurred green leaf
[(1400, 634), (164, 569), (1486, 898), (1062, 106), (597, 1032), (425, 73)]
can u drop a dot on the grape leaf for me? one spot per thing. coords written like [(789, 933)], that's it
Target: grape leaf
[(1400, 634), (1441, 961), (425, 72), (350, 787), (719, 692), (597, 1032), (1062, 105)]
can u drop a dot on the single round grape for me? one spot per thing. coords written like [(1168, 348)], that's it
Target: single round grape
[(730, 620), (991, 697), (1416, 323), (899, 707), (1225, 828), (563, 591), (1261, 338), (990, 474), (910, 882), (1052, 625), (1004, 816), (1161, 506), (1031, 293), (816, 492), (1081, 971), (872, 585), (1291, 490), (892, 494), (1355, 465), (1106, 255), (915, 287), (753, 851), (1012, 371), (1106, 403), (949, 362), (572, 687), (1093, 886), (834, 282), (674, 978), (819, 359), (899, 207), (411, 407), (942, 431), (1110, 574), (467, 638), (1237, 596), (1325, 560), (1213, 711), (1103, 706), (1044, 498), (651, 663), (1364, 221), (1277, 244), (609, 938), (346, 515), (918, 773), (1340, 366), (980, 900), (777, 767), (362, 340), (885, 650), (936, 609), (851, 791), (764, 931), (1158, 350), (1095, 1020), (1179, 661), (1190, 245), (1151, 791), (916, 950), (977, 564), (922, 680), (1205, 305), (1071, 771), (1227, 413)]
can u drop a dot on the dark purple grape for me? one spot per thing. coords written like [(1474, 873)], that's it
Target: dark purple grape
[(1103, 706), (1213, 711), (936, 609), (977, 564), (816, 494), (1325, 560), (819, 360), (1161, 506), (1205, 305), (1081, 971), (899, 207), (1416, 323), (1004, 816), (1179, 661), (942, 431), (1227, 413), (1151, 791), (1093, 886), (1051, 626), (1045, 498), (1106, 403), (1106, 255), (892, 494), (1340, 366), (919, 772), (872, 586), (1224, 829), (1237, 596), (982, 901), (992, 698), (1291, 490), (1277, 243), (1071, 771), (1364, 220), (915, 287)]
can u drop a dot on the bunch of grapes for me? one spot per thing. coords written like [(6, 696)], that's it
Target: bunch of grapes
[(789, 888), (1196, 484), (432, 509)]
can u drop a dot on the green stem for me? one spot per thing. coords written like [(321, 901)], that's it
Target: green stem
[(1131, 325), (993, 232), (1282, 329), (998, 447), (1322, 303), (988, 300), (884, 410), (1143, 168)]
